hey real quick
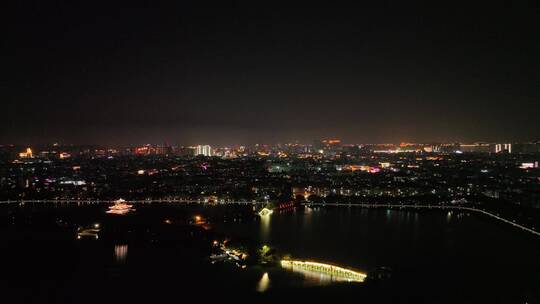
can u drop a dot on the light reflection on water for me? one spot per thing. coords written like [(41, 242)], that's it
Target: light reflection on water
[(120, 253), (265, 227), (264, 283)]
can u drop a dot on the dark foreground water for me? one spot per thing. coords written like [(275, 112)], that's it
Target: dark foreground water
[(154, 256)]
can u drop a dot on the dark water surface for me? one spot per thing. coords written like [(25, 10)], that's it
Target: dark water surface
[(434, 256)]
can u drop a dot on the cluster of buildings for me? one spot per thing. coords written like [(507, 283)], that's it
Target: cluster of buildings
[(197, 150), (327, 170), (327, 148)]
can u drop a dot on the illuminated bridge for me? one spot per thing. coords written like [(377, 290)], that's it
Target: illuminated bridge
[(444, 207), (335, 272)]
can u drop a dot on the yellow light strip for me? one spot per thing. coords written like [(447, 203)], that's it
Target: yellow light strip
[(321, 267)]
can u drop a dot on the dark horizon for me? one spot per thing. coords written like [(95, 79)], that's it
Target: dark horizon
[(244, 73), (251, 144)]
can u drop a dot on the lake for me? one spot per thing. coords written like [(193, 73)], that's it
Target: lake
[(432, 256)]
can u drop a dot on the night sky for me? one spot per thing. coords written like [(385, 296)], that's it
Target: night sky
[(188, 72)]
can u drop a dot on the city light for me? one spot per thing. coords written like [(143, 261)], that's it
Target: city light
[(27, 153), (266, 212), (120, 207)]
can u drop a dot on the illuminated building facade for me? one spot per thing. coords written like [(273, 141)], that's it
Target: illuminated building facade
[(205, 150), (499, 148), (476, 147), (26, 154)]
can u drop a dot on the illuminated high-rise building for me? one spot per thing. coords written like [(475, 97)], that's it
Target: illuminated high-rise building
[(503, 148), (205, 150)]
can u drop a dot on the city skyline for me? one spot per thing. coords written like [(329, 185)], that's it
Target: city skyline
[(333, 148)]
